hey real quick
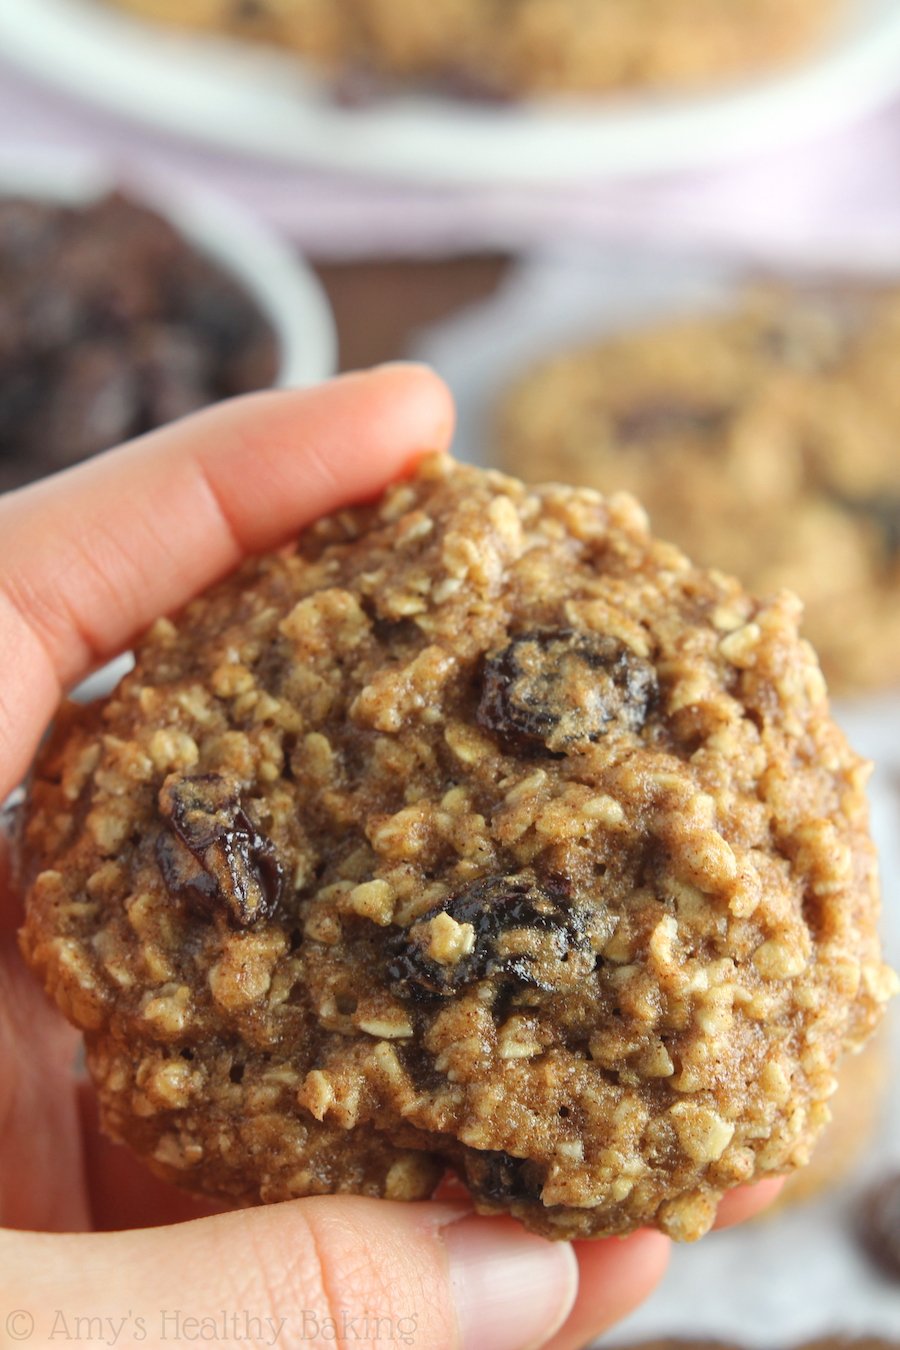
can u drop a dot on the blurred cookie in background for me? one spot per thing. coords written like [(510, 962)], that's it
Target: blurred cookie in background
[(764, 437), (483, 49), (111, 324)]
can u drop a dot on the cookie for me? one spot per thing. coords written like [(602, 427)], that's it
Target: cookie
[(481, 831), (762, 437), (855, 1114), (522, 47)]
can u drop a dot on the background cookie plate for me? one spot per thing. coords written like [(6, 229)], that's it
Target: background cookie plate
[(264, 104)]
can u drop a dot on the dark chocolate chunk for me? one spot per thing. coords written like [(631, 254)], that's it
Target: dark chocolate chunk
[(212, 855), (552, 691), (880, 1225), (549, 931)]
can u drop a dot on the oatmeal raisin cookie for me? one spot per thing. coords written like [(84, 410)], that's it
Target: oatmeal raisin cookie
[(763, 438), (481, 831), (515, 47)]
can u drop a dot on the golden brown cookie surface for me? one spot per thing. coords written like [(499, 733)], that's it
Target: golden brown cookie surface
[(482, 831), (511, 47)]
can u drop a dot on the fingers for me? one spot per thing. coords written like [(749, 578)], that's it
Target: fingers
[(10, 912), (307, 1272), (615, 1275), (747, 1201), (41, 1174), (512, 1290), (123, 1192), (89, 558)]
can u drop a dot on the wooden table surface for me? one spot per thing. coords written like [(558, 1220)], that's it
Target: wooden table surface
[(378, 306)]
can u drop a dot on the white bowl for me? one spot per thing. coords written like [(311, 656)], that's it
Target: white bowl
[(284, 288), (265, 103)]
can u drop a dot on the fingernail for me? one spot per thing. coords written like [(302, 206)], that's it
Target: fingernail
[(512, 1290)]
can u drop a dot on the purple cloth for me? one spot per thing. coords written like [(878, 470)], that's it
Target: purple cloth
[(841, 194)]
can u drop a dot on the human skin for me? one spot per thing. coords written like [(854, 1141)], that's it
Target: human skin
[(87, 560)]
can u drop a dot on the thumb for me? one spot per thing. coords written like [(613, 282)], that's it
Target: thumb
[(327, 1271)]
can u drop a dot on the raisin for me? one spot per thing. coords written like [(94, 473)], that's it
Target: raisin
[(248, 11), (93, 403), (886, 514), (660, 417), (212, 855), (360, 85), (357, 85), (552, 691), (469, 86), (817, 335), (111, 324), (883, 513), (522, 932), (174, 372), (500, 1177), (881, 1225)]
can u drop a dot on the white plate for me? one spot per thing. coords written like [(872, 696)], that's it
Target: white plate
[(576, 294), (269, 271), (265, 104)]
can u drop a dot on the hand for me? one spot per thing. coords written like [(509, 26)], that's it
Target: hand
[(87, 560)]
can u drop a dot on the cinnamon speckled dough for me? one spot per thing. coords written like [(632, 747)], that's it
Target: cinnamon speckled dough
[(511, 47), (763, 437), (481, 831)]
